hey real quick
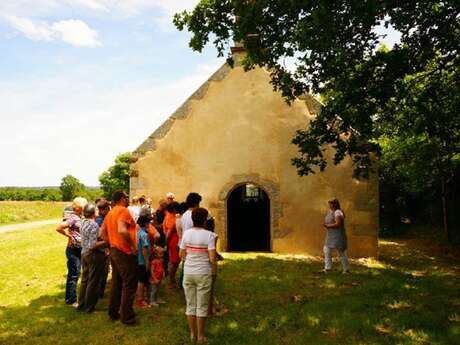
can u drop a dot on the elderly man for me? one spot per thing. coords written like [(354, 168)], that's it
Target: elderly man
[(170, 197), (119, 230)]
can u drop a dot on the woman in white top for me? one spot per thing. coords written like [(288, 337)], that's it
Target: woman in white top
[(198, 250)]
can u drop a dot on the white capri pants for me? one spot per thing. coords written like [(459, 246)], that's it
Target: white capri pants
[(197, 289)]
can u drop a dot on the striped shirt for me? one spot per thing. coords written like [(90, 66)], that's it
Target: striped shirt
[(197, 243), (89, 232)]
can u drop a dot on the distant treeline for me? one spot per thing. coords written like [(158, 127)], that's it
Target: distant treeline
[(43, 193)]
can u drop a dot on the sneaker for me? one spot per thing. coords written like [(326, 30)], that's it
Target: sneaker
[(141, 304), (154, 304), (160, 301), (346, 272)]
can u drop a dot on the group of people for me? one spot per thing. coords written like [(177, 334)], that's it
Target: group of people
[(143, 246)]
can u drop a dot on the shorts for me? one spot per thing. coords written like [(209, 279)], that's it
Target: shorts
[(143, 275), (197, 289)]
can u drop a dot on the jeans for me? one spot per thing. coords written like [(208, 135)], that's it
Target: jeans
[(328, 258), (73, 272)]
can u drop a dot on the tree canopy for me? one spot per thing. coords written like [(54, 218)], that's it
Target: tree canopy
[(335, 48), (398, 103), (117, 176), (71, 187)]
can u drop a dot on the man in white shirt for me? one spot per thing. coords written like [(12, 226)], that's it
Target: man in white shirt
[(193, 201), (134, 208)]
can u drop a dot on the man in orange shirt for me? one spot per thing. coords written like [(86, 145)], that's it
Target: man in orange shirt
[(119, 230)]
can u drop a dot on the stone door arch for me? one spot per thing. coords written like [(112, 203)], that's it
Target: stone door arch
[(273, 192)]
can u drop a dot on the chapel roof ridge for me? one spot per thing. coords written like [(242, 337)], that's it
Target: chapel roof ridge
[(313, 104), (181, 113)]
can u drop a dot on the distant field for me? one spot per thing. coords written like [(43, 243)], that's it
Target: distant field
[(28, 211)]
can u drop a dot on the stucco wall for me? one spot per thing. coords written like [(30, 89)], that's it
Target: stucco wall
[(235, 129)]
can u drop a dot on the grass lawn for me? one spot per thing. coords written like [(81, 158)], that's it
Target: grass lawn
[(407, 297), (28, 211)]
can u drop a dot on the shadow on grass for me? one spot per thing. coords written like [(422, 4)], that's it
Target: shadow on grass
[(270, 299)]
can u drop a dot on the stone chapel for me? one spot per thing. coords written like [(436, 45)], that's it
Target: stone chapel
[(231, 142)]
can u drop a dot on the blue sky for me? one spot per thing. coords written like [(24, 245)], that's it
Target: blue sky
[(84, 80)]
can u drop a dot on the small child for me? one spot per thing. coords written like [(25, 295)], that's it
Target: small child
[(143, 247), (157, 274)]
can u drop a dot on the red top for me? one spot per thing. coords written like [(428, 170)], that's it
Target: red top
[(157, 272)]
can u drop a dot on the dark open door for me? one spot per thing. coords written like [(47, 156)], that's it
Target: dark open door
[(248, 215)]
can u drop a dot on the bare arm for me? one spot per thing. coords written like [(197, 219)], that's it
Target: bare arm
[(99, 244), (124, 233), (63, 229), (103, 233), (182, 254), (338, 223), (212, 256), (179, 228), (156, 234)]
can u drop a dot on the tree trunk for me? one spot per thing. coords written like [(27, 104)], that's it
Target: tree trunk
[(444, 208)]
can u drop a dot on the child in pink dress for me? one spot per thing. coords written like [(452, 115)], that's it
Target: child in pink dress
[(157, 274)]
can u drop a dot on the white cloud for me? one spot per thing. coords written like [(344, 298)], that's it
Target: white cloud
[(74, 32), (39, 31), (27, 16), (85, 125), (168, 6), (97, 5)]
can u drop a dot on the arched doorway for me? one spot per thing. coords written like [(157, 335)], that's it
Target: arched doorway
[(248, 219)]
